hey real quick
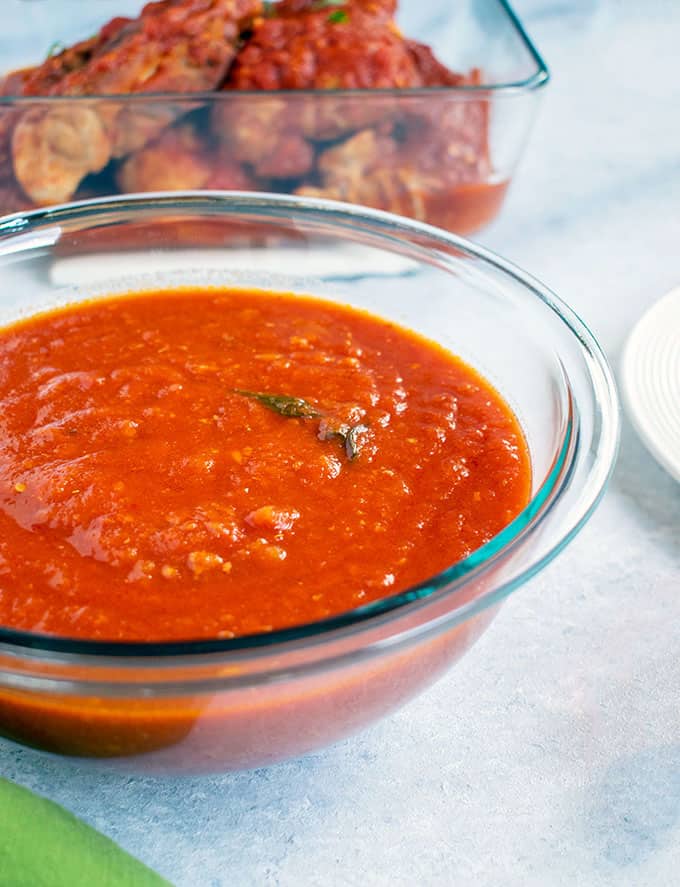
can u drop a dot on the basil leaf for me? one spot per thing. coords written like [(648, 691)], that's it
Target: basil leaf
[(284, 404)]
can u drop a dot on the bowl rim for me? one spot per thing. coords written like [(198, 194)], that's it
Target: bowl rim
[(539, 78), (454, 577)]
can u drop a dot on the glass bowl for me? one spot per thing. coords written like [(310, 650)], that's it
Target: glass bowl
[(443, 155), (206, 705)]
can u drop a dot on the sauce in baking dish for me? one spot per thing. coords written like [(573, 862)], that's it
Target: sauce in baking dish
[(217, 463)]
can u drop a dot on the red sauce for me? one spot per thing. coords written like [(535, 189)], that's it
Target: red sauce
[(144, 496), (466, 208)]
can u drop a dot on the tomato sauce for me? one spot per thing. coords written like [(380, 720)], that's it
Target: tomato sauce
[(215, 463)]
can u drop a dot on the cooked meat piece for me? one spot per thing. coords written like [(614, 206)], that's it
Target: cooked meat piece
[(366, 169), (458, 126), (10, 85), (310, 45), (431, 70), (180, 159), (12, 198), (229, 175), (13, 83), (291, 158), (44, 79), (259, 130), (173, 46), (437, 145), (8, 119), (133, 126), (54, 150), (350, 160), (414, 175), (41, 80)]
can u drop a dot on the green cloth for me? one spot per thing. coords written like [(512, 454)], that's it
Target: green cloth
[(43, 845)]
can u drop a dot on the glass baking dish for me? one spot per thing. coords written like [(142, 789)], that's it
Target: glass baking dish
[(444, 155)]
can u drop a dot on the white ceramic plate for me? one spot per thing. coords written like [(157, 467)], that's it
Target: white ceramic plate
[(651, 380)]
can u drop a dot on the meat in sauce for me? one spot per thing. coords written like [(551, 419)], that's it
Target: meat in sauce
[(321, 98)]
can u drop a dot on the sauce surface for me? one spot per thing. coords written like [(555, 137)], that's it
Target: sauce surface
[(152, 488)]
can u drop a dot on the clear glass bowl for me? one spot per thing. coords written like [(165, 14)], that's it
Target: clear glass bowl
[(216, 705), (442, 155)]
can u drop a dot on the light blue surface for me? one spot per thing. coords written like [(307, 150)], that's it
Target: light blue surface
[(551, 755)]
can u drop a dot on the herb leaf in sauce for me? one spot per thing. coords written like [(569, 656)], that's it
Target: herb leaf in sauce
[(351, 436), (338, 17), (284, 404), (55, 48)]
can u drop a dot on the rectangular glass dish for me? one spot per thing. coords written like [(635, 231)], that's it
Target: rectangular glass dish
[(444, 155)]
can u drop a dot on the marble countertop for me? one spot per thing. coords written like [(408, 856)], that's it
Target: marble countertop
[(551, 754)]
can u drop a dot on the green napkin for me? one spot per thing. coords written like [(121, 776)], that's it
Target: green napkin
[(43, 845)]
